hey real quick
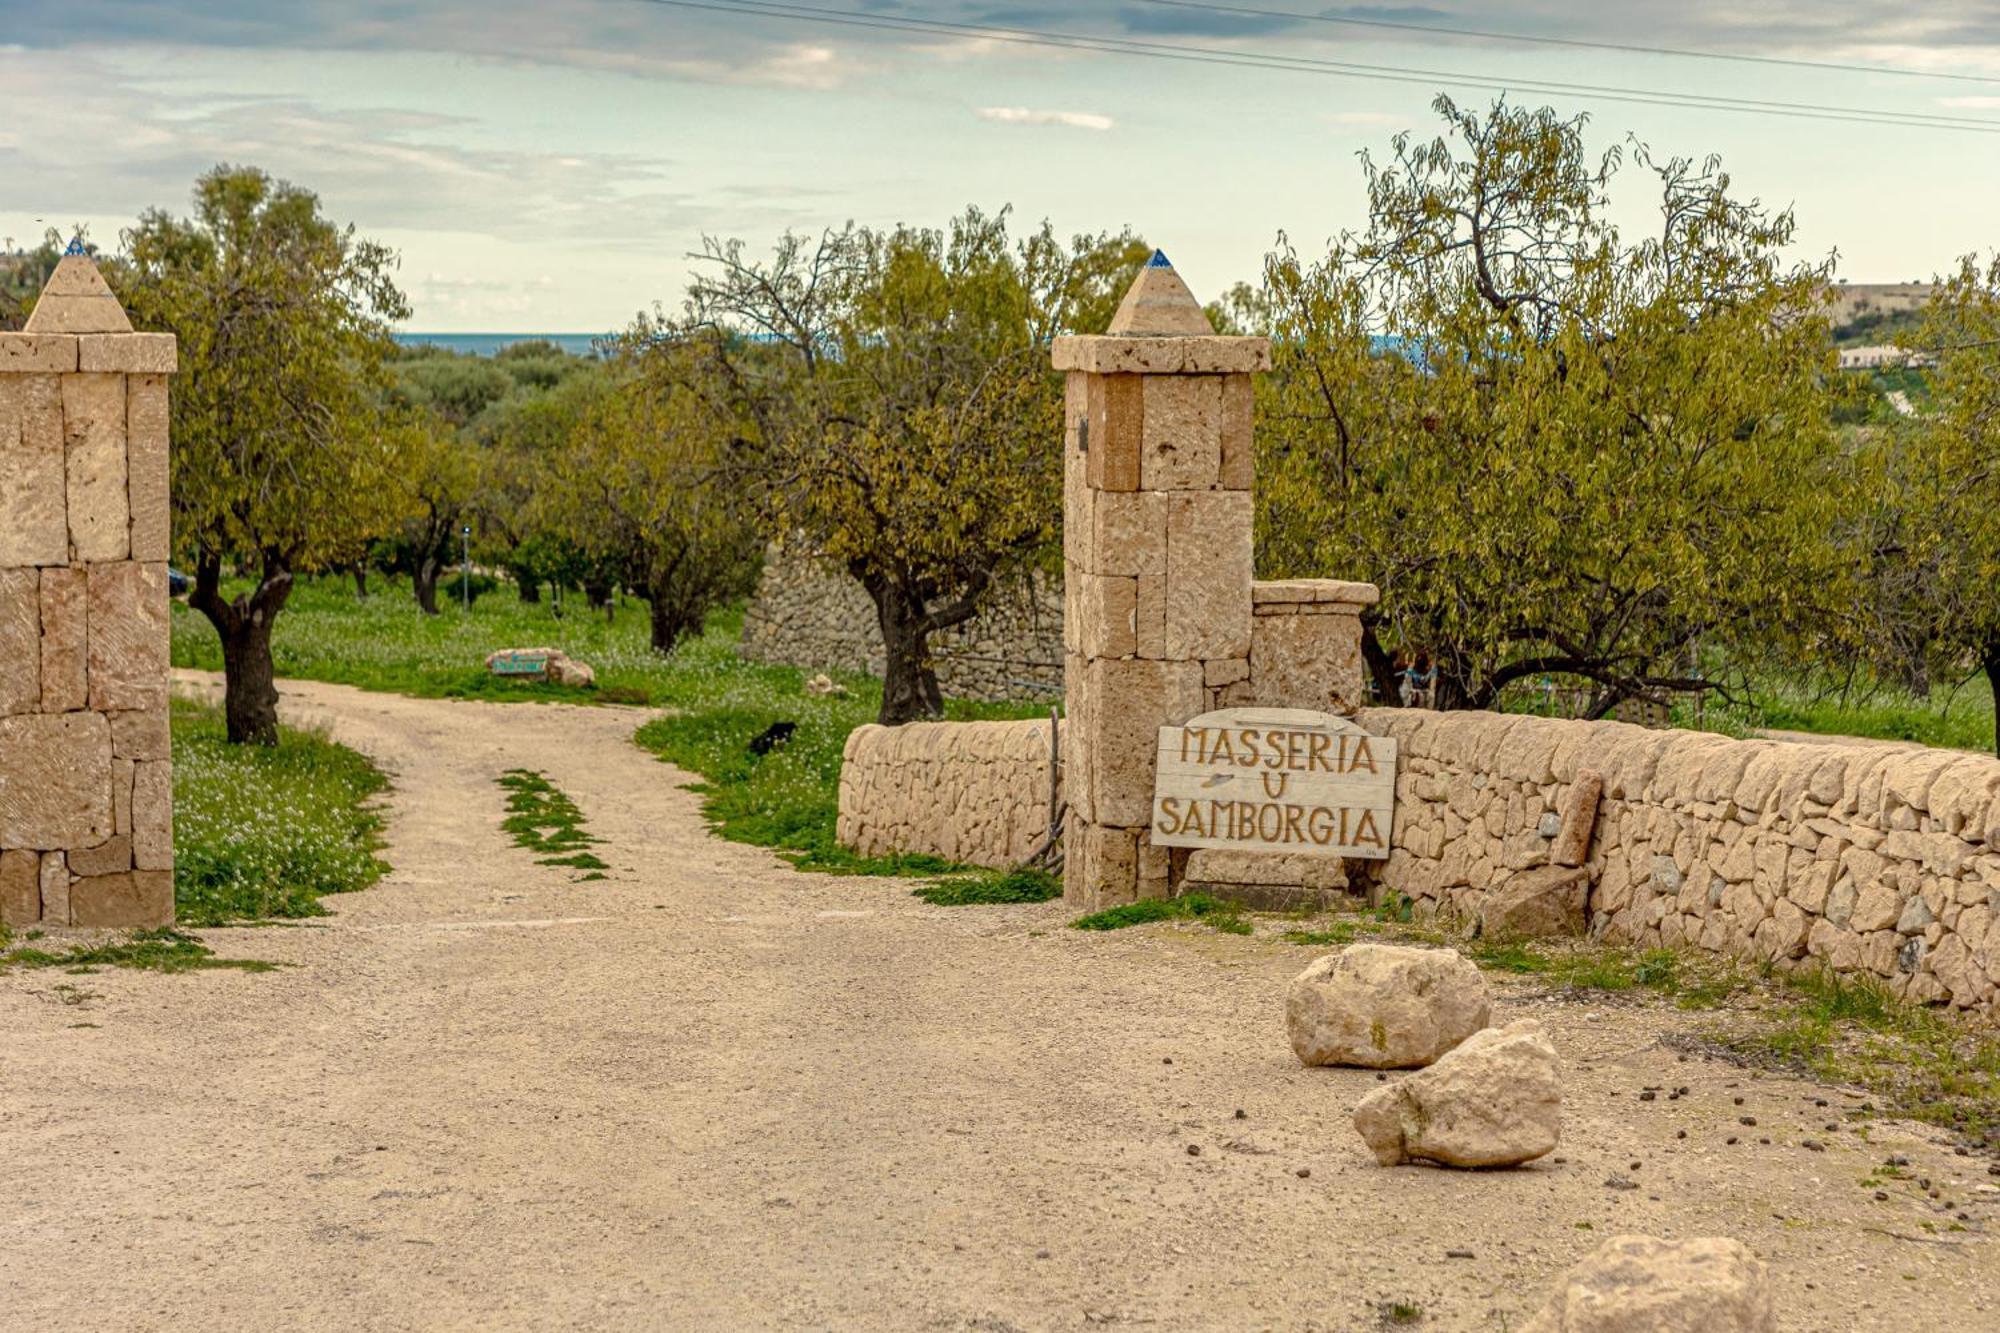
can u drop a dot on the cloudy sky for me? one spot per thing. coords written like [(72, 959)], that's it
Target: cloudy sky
[(546, 165)]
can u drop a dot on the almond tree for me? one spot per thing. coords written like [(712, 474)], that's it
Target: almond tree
[(280, 466), (888, 394)]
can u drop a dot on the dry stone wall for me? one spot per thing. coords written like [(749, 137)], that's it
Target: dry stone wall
[(1879, 861), (976, 792), (86, 790), (806, 614)]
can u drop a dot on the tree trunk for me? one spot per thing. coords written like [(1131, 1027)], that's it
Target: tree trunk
[(361, 582), (250, 692), (1381, 668), (1990, 659), (528, 586), (670, 622), (910, 690), (426, 582)]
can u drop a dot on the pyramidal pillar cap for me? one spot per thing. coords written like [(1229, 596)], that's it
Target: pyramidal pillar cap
[(76, 299), (1160, 329), (1159, 304)]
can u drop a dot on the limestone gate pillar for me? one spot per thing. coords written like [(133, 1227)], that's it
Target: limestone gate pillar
[(1157, 563), (86, 792)]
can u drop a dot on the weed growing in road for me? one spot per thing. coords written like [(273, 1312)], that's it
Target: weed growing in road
[(544, 819), (163, 950), (1220, 913), (991, 886), (265, 831)]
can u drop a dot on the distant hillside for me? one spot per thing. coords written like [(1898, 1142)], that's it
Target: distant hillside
[(1875, 312)]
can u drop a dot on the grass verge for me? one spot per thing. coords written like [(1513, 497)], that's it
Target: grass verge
[(267, 831), (1222, 914), (981, 887), (162, 950)]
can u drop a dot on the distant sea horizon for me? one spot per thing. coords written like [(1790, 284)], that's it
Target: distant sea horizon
[(491, 344)]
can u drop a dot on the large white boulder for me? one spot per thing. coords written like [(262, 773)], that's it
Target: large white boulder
[(1494, 1100), (1639, 1284), (1381, 1006)]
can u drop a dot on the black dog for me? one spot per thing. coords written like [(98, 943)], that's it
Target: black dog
[(771, 737)]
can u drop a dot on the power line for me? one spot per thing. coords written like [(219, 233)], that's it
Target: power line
[(1573, 42), (1348, 69)]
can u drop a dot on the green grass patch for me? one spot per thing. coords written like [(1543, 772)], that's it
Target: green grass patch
[(162, 950), (542, 818), (1222, 914), (266, 831), (1021, 885)]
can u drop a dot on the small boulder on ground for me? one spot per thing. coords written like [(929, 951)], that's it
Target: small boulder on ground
[(1494, 1100), (550, 664), (1382, 1006), (1542, 903), (1639, 1284), (824, 686)]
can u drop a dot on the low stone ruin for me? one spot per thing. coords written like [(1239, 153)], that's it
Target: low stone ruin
[(1380, 1006), (1493, 1100), (1639, 1284)]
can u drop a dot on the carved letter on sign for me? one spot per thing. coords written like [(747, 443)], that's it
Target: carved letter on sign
[(1275, 780)]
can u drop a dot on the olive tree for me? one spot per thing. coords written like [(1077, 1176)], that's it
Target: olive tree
[(889, 396), (1560, 452), (281, 464)]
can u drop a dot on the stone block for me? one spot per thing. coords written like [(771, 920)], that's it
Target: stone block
[(146, 443), (1102, 354), (1579, 819), (65, 640), (1180, 446), (55, 780), (1108, 608), (75, 299), (20, 888), (1239, 464), (37, 353), (1306, 662), (1226, 671), (1131, 534), (113, 856), (141, 734), (1131, 699), (55, 889), (1208, 575), (135, 898), (1115, 423), (121, 795), (94, 463), (1149, 619), (34, 526), (20, 641), (1100, 866), (128, 353), (128, 636)]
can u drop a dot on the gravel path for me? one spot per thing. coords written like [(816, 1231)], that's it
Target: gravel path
[(712, 1092)]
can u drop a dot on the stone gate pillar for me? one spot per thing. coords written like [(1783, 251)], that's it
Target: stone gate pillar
[(1157, 563), (86, 792)]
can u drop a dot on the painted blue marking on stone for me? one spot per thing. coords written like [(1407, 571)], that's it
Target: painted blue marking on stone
[(1159, 260), (76, 247)]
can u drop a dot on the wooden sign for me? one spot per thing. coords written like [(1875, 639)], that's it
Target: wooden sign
[(1275, 780)]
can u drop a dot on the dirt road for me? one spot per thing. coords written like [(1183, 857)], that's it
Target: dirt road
[(713, 1092)]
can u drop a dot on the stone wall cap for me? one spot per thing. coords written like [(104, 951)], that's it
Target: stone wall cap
[(76, 299), (38, 353), (129, 353), (1194, 354), (1317, 592)]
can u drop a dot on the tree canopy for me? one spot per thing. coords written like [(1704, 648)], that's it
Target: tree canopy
[(1560, 453)]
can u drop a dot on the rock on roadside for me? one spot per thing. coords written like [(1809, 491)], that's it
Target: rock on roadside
[(1495, 1100), (1381, 1006), (1545, 902), (1639, 1284)]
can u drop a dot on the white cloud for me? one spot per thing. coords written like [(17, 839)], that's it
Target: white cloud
[(1972, 103), (1365, 119), (1021, 115)]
